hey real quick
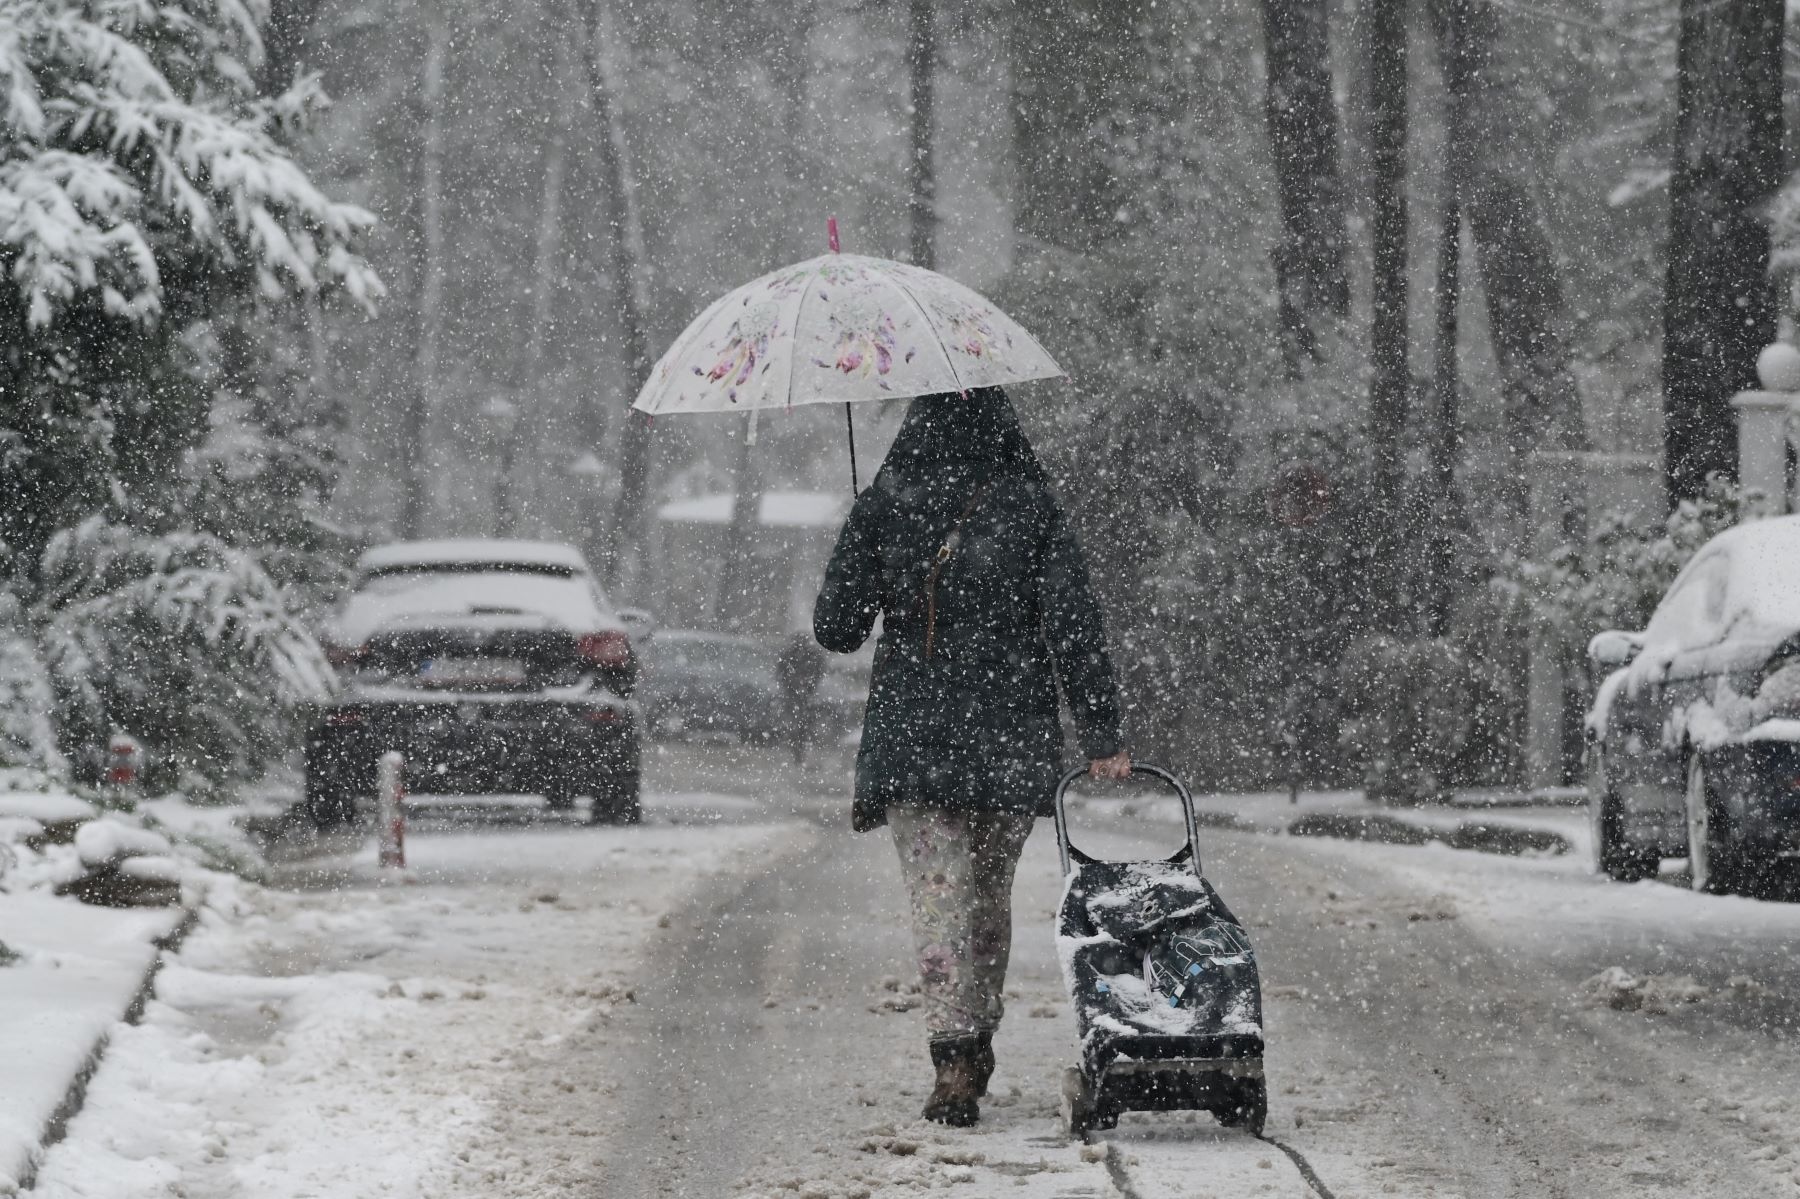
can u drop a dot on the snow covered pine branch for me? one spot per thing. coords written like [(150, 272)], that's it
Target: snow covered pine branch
[(135, 137)]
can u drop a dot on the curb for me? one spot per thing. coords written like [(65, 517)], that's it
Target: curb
[(1460, 827), (75, 1095)]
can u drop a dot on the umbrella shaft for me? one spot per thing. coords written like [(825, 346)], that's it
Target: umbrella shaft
[(850, 428)]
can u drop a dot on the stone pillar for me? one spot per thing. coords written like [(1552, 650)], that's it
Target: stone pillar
[(1763, 444)]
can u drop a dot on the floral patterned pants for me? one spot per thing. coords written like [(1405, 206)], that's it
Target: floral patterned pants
[(959, 872)]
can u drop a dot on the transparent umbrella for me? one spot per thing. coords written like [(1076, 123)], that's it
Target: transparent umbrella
[(841, 328)]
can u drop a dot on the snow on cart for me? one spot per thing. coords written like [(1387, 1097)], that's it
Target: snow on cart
[(1164, 985)]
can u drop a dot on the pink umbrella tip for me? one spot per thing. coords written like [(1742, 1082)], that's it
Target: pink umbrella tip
[(831, 233)]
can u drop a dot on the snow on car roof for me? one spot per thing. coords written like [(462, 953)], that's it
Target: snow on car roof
[(472, 551), (1765, 570)]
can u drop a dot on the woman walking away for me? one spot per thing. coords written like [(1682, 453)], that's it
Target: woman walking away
[(968, 559)]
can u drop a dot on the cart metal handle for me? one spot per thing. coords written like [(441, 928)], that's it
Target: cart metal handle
[(1190, 851)]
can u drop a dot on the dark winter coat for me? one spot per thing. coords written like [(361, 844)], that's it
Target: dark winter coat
[(974, 727)]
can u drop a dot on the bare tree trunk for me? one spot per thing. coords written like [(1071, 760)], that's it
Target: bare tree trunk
[(1389, 378), (736, 575), (415, 421), (546, 273), (1446, 381), (1064, 71), (1718, 303), (624, 538), (1520, 274), (921, 54), (790, 63), (284, 35), (1311, 278)]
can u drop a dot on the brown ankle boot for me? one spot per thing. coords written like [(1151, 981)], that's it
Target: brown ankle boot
[(984, 1062), (953, 1100)]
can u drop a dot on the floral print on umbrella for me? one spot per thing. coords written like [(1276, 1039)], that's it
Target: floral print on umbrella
[(968, 330), (746, 346), (867, 343)]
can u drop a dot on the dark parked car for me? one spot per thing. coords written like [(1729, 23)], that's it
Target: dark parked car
[(1694, 736), (493, 666), (699, 683)]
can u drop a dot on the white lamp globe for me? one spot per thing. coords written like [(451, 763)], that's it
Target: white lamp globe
[(1778, 367)]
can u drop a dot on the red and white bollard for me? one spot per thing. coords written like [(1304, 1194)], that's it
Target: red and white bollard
[(390, 818), (124, 764)]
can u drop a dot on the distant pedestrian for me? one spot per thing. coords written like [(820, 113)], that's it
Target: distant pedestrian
[(962, 551), (798, 672)]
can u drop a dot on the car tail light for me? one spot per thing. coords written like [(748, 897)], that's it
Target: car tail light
[(610, 648), (343, 716), (344, 655), (601, 715)]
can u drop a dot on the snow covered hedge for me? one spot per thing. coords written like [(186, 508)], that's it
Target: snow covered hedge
[(150, 204), (1615, 578), (182, 639)]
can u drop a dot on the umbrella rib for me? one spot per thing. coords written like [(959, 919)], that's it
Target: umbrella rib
[(932, 329), (794, 334)]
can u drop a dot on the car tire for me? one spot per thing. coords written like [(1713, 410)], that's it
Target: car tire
[(618, 799), (1716, 859), (328, 803), (1614, 856)]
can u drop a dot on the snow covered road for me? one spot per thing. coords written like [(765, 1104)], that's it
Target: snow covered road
[(1436, 1027), (715, 1005)]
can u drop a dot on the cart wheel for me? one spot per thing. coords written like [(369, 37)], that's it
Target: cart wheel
[(1249, 1110), (1079, 1112)]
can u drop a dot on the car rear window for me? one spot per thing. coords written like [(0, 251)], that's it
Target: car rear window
[(415, 595)]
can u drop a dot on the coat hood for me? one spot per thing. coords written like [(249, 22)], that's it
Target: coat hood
[(976, 430)]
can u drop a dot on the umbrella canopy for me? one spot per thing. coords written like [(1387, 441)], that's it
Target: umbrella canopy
[(837, 329)]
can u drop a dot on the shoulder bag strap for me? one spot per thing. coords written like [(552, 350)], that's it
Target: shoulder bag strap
[(952, 540)]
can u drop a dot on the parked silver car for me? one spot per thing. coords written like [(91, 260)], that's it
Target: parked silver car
[(1693, 740)]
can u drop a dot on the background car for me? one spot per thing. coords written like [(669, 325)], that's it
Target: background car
[(1693, 741), (699, 683), (493, 666)]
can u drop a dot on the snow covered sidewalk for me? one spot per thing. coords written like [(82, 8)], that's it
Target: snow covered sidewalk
[(71, 973), (347, 1038)]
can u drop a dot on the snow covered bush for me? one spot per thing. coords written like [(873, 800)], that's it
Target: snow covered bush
[(152, 217), (1615, 578), (1411, 714), (180, 638), (27, 703)]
